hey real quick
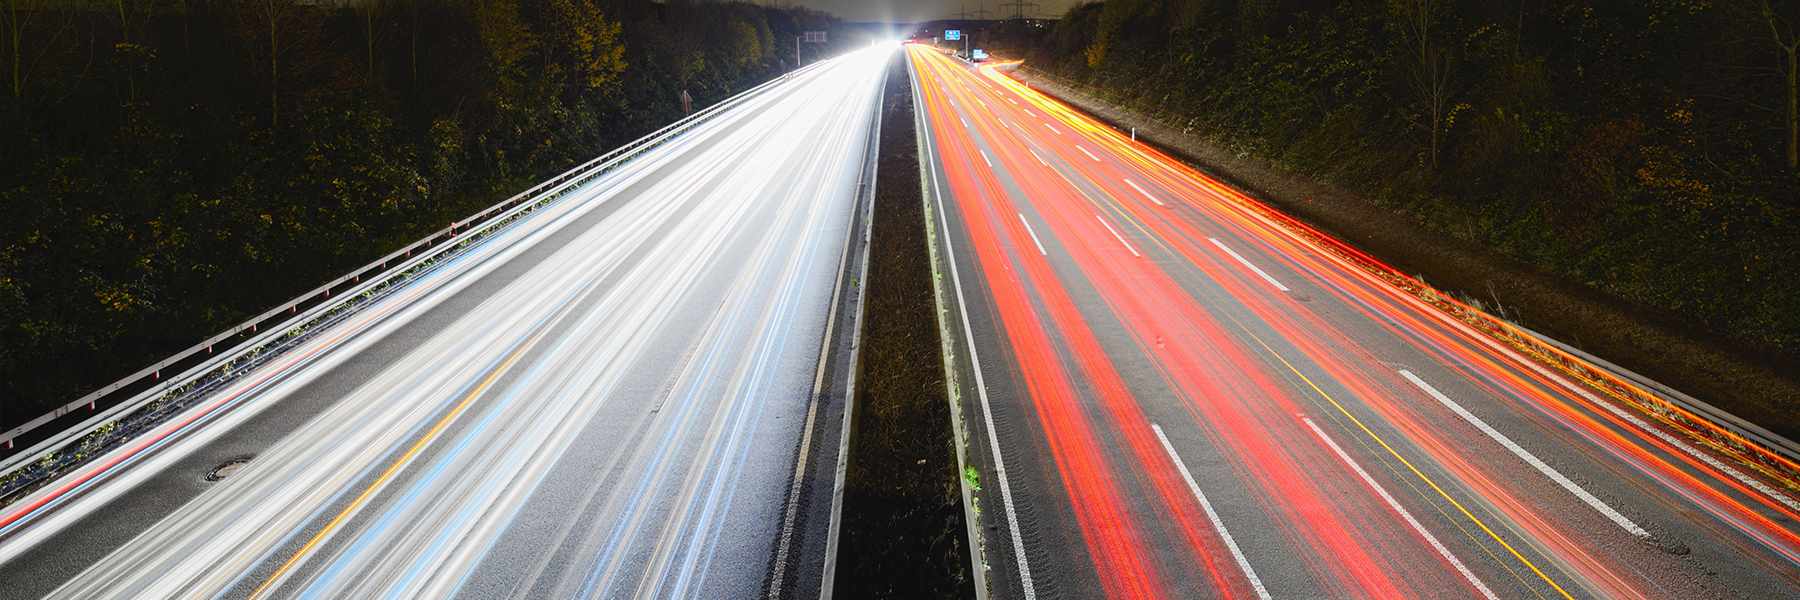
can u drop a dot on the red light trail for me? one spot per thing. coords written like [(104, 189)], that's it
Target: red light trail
[(1356, 437)]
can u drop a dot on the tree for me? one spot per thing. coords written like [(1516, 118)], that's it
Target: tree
[(1431, 66), (505, 39), (36, 40), (1116, 20), (599, 56), (745, 44), (369, 10), (1784, 41), (266, 23)]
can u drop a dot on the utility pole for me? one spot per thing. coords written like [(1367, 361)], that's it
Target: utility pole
[(1018, 8)]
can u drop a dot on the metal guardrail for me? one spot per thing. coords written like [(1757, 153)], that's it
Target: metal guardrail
[(1750, 431), (1768, 453), (310, 308)]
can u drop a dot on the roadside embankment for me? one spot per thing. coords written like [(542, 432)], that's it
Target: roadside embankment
[(1758, 386)]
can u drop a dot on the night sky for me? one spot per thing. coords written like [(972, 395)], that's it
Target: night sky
[(912, 11)]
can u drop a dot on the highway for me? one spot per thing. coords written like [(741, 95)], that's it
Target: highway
[(1168, 391), (635, 391)]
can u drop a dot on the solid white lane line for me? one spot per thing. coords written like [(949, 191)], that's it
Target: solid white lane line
[(1115, 233), (1445, 552), (1146, 194), (984, 158), (812, 411), (1243, 563), (1089, 154), (987, 413), (1053, 129), (1034, 237), (1265, 276), (1040, 159), (1553, 474)]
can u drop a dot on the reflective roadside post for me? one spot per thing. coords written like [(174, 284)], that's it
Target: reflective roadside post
[(687, 103)]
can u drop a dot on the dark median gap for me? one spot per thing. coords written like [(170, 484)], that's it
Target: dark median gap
[(902, 532)]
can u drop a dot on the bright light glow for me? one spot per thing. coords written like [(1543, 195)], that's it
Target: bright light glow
[(441, 447)]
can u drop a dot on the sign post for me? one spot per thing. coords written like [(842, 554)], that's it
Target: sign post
[(811, 37)]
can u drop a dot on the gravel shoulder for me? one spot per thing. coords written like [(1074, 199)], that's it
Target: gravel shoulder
[(1757, 386)]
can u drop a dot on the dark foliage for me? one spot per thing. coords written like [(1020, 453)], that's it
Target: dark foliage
[(170, 167), (1644, 147)]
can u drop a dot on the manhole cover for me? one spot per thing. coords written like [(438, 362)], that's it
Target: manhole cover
[(225, 470)]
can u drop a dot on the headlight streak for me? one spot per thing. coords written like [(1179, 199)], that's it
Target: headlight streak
[(408, 485)]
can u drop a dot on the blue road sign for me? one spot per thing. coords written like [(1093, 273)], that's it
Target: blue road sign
[(952, 34)]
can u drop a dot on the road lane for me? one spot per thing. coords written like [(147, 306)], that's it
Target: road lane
[(1282, 368), (605, 399)]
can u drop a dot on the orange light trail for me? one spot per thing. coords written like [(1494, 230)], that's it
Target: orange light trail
[(1159, 289)]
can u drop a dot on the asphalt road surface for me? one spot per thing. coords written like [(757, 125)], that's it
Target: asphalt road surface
[(1168, 392), (636, 391)]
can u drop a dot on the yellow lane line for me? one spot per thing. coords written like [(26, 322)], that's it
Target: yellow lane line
[(329, 527), (1409, 465)]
